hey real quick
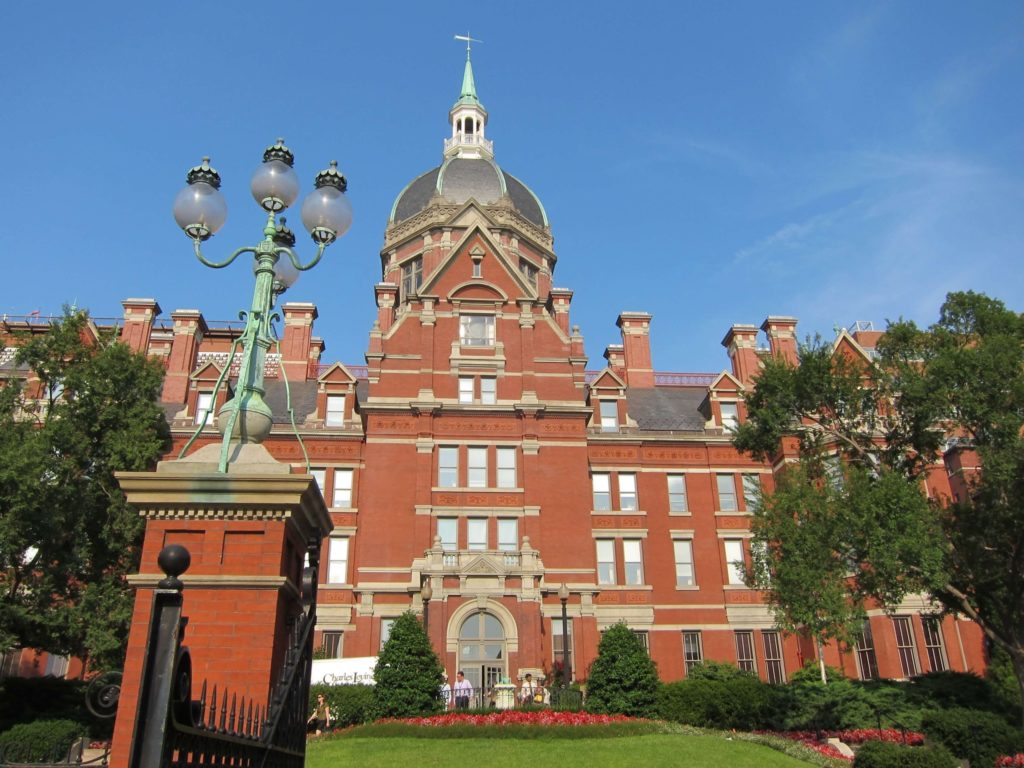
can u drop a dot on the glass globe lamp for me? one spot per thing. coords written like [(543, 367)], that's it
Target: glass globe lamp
[(199, 208), (275, 185), (326, 211)]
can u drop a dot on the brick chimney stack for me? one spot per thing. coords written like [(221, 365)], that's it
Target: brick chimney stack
[(298, 335), (741, 342), (781, 332), (139, 315), (189, 329), (636, 344)]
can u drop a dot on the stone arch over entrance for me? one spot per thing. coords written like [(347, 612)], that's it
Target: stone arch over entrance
[(493, 607)]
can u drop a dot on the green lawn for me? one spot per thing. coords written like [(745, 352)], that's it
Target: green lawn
[(648, 751)]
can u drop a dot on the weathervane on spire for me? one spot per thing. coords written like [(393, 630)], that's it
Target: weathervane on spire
[(469, 42)]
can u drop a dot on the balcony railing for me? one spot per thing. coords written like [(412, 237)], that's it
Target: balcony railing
[(469, 141)]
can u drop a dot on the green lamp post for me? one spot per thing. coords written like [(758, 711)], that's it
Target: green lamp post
[(200, 210)]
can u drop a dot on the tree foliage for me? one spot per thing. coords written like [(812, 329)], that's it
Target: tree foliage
[(623, 679), (67, 536), (408, 673), (850, 518)]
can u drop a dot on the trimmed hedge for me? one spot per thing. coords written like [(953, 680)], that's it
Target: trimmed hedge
[(350, 704), (743, 702), (27, 699), (41, 740), (881, 754), (977, 736)]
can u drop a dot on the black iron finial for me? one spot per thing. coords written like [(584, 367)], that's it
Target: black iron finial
[(174, 560)]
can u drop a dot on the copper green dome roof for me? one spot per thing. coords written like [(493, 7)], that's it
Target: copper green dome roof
[(460, 179)]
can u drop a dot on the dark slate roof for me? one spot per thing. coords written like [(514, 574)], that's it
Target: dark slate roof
[(303, 401), (460, 179), (667, 408)]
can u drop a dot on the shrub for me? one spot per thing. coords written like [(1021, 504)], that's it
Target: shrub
[(350, 704), (811, 673), (811, 705), (623, 679), (717, 670), (408, 673), (26, 699), (41, 740), (973, 735), (947, 690), (743, 702), (881, 754)]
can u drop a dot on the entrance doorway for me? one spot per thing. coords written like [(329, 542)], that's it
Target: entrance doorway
[(482, 654)]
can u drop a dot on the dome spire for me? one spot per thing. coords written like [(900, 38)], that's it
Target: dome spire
[(468, 117)]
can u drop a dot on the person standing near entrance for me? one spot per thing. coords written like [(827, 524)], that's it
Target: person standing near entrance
[(528, 691), (445, 692), (463, 690)]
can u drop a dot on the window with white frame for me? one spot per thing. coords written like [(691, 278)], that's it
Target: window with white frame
[(335, 411), (508, 534), (204, 406), (734, 561), (558, 642), (331, 644), (337, 560), (633, 561), (905, 646), (609, 415), (56, 665), (933, 644), (774, 670), (745, 651), (644, 638), (448, 467), (488, 390), (606, 561), (476, 330), (477, 467), (627, 491), (677, 493), (529, 271), (602, 486), (385, 630), (867, 662), (683, 549), (412, 276), (693, 650), (726, 492), (467, 385), (320, 475), (730, 417), (342, 488), (507, 468), (751, 491), (476, 533), (448, 532)]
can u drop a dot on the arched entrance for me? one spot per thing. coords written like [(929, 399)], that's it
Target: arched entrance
[(483, 652)]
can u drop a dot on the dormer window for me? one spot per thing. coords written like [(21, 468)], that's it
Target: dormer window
[(529, 271), (476, 330), (730, 417), (335, 411), (204, 406), (609, 416), (412, 276)]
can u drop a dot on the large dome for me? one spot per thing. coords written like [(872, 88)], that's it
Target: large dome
[(460, 179)]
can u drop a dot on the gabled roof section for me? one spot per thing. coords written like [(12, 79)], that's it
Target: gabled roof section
[(726, 382), (337, 374), (847, 346), (608, 379), (207, 372)]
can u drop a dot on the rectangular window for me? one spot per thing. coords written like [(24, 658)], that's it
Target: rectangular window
[(866, 660), (730, 417), (557, 642), (335, 411), (677, 493), (745, 651), (633, 561), (508, 534), (734, 561), (448, 532), (476, 533), (342, 488), (601, 483), (466, 387), (320, 475), (477, 464), (773, 668), (204, 404), (529, 271), (605, 561), (11, 663), (331, 645), (476, 330), (627, 492), (905, 646), (609, 416), (507, 467), (56, 666), (933, 644), (684, 562), (385, 630), (751, 491), (412, 276), (448, 467), (726, 492), (693, 650), (488, 390), (644, 639), (337, 560)]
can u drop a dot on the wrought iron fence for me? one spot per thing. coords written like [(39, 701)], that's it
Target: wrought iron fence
[(503, 697)]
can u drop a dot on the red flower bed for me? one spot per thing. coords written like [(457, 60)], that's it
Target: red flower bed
[(515, 717), (857, 736), (1010, 761)]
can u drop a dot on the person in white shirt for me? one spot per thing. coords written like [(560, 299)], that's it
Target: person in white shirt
[(463, 691), (445, 691), (528, 690)]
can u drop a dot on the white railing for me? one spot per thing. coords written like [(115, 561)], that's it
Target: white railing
[(468, 141)]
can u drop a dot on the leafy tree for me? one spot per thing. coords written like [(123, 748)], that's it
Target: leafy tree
[(408, 673), (876, 537), (623, 679), (67, 536)]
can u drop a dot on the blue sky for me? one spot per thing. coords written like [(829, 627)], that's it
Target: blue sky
[(709, 163)]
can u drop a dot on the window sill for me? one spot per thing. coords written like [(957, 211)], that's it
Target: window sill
[(626, 587), (617, 512), (691, 588), (732, 513)]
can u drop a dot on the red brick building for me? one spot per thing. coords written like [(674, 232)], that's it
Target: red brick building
[(475, 451)]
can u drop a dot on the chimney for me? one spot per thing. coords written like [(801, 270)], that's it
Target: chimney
[(298, 334), (387, 295), (636, 343), (616, 359), (741, 342), (189, 328), (561, 298), (781, 332), (139, 315)]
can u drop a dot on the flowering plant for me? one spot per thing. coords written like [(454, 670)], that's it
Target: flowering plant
[(857, 735), (515, 717), (1010, 761)]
